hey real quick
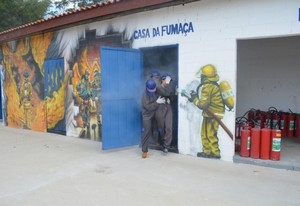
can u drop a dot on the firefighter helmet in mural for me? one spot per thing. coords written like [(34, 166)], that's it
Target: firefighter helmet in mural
[(208, 71)]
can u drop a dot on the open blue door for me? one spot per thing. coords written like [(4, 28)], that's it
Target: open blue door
[(54, 76), (121, 80)]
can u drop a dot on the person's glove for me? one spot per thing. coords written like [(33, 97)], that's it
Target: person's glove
[(160, 100), (168, 80), (193, 95), (168, 101)]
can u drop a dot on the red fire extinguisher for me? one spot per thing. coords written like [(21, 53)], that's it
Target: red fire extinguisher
[(297, 131), (260, 120), (251, 115), (275, 121), (245, 143), (291, 125), (238, 128), (265, 143), (283, 123), (267, 120), (255, 143), (276, 144)]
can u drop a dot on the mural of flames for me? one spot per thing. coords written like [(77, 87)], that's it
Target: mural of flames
[(38, 45), (80, 67), (56, 105), (38, 48), (85, 63)]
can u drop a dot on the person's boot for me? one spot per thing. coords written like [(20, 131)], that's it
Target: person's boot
[(145, 155), (165, 150)]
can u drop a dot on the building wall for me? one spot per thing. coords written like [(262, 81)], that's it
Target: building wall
[(207, 33), (268, 74)]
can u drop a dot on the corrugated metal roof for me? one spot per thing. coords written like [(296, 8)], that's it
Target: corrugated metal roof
[(107, 9)]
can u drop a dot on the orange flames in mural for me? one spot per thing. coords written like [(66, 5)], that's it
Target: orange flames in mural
[(52, 108), (80, 67), (55, 106), (39, 46)]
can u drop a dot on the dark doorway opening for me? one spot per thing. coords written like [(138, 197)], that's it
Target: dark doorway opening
[(164, 59)]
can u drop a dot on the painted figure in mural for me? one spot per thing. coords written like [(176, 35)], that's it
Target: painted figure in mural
[(16, 77), (150, 104), (155, 75), (4, 97), (86, 93), (164, 114), (25, 101), (193, 115), (209, 99), (97, 91)]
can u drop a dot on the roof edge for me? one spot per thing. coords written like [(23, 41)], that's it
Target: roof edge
[(100, 11)]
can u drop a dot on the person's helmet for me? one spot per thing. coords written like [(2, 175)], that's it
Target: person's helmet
[(155, 73), (166, 75), (150, 85), (209, 71)]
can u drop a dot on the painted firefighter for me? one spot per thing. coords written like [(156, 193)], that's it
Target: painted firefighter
[(86, 93), (208, 98), (25, 101), (97, 92)]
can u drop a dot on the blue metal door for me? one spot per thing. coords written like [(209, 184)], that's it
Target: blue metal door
[(54, 76), (121, 96)]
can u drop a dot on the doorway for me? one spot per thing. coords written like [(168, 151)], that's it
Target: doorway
[(122, 70), (164, 59), (268, 78)]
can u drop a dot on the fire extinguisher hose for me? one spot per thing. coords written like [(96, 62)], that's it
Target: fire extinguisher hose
[(183, 93), (220, 122)]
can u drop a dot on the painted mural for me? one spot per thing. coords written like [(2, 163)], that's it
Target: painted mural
[(86, 85), (52, 83), (86, 91), (212, 98), (42, 84), (23, 83)]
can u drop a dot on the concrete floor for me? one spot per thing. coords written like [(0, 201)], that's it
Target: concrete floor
[(48, 169)]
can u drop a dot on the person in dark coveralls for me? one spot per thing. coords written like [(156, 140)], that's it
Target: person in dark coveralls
[(155, 75), (164, 115), (150, 103)]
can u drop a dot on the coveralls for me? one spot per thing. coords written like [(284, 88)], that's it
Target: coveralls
[(149, 107), (155, 132), (164, 116), (210, 98)]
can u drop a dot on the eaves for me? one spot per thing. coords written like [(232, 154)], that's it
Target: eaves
[(98, 12)]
